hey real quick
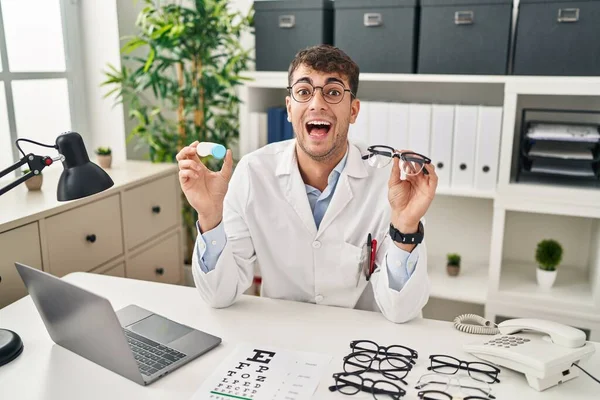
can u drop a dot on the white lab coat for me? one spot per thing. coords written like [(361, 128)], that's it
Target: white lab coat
[(268, 220)]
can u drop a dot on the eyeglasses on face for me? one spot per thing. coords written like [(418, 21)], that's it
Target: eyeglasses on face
[(468, 387), (477, 370), (411, 163), (389, 351), (395, 368), (333, 93), (351, 383)]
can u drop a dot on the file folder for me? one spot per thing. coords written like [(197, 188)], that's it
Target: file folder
[(419, 128), (358, 132), (378, 123), (464, 146), (442, 131), (398, 117), (489, 130)]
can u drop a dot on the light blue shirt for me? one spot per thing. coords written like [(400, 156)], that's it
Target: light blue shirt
[(400, 264)]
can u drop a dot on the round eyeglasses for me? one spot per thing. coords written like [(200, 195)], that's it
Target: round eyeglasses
[(333, 92), (411, 163)]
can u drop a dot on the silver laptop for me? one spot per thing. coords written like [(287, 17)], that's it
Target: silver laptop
[(133, 342)]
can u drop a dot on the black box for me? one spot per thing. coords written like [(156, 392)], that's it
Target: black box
[(465, 36), (379, 35), (558, 38), (282, 28)]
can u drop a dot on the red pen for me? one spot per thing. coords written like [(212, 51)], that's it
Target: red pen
[(373, 252)]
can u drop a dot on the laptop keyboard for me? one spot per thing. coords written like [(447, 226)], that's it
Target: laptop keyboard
[(151, 356)]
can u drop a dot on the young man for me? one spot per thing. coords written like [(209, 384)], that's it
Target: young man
[(303, 209)]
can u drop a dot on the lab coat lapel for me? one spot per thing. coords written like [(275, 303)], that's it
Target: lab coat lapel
[(292, 187), (347, 184)]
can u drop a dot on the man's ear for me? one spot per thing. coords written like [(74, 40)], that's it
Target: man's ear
[(288, 106), (354, 109)]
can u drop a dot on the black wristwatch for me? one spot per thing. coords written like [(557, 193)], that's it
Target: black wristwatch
[(407, 238)]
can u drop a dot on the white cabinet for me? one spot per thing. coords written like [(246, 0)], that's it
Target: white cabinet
[(131, 230)]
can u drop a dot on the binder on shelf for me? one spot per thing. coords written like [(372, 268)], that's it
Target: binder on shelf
[(258, 129), (489, 130), (378, 123), (278, 127), (464, 146), (358, 132), (419, 130), (398, 117), (442, 131)]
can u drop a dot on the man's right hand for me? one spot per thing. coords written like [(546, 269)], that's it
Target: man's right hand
[(203, 188)]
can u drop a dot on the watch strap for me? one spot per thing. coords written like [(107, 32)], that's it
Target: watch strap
[(407, 238)]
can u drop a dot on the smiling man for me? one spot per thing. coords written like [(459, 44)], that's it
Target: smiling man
[(303, 210)]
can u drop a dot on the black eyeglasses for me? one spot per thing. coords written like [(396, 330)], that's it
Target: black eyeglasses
[(333, 92), (410, 163), (477, 370), (441, 395), (352, 383), (395, 368), (389, 351)]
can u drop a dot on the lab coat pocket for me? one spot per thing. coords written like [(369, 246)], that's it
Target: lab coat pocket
[(351, 267)]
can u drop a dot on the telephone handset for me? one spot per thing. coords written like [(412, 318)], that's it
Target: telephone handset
[(543, 350)]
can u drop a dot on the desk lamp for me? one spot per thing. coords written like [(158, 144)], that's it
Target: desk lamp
[(80, 178)]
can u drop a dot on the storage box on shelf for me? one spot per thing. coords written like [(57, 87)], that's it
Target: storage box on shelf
[(472, 221), (464, 36), (379, 35), (131, 230)]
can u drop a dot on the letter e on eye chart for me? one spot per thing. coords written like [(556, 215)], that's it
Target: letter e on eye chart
[(254, 372)]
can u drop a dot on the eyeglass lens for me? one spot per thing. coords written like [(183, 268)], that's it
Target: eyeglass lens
[(332, 92), (410, 164)]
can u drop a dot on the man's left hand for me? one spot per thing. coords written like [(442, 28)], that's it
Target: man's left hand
[(410, 198)]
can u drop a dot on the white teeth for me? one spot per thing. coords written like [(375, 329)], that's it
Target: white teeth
[(319, 123)]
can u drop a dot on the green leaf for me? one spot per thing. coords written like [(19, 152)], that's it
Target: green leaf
[(150, 60)]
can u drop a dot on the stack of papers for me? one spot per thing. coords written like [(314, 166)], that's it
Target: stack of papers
[(577, 133), (565, 151), (543, 166), (253, 372)]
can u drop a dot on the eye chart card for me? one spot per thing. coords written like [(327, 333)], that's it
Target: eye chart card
[(264, 373)]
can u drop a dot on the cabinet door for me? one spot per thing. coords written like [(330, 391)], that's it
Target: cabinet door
[(150, 209), (23, 245), (117, 270), (83, 238), (160, 262)]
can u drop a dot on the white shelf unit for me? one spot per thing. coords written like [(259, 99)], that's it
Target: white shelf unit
[(494, 231)]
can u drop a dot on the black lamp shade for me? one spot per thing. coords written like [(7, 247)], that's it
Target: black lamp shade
[(80, 177)]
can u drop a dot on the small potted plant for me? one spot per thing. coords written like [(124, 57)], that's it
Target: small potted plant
[(35, 182), (104, 156), (548, 256), (453, 265)]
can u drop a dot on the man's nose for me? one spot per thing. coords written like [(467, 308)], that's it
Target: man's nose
[(318, 100)]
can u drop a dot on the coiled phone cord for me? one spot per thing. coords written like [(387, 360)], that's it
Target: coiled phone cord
[(464, 323)]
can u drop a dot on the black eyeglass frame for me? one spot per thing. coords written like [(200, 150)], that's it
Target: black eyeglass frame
[(464, 365), (362, 388), (314, 90), (367, 366), (390, 152), (385, 350)]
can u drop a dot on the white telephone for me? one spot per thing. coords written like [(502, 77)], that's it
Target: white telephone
[(543, 350)]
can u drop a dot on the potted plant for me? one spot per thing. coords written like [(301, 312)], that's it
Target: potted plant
[(453, 264), (179, 78), (548, 255), (35, 182), (104, 156)]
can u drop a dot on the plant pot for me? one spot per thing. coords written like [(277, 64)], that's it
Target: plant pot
[(35, 182), (545, 279), (452, 270), (105, 161)]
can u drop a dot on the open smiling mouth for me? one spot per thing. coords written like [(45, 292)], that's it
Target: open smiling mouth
[(318, 128)]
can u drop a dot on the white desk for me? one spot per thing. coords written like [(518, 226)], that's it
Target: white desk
[(47, 371)]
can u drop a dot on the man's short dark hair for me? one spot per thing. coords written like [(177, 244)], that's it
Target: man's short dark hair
[(328, 59)]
